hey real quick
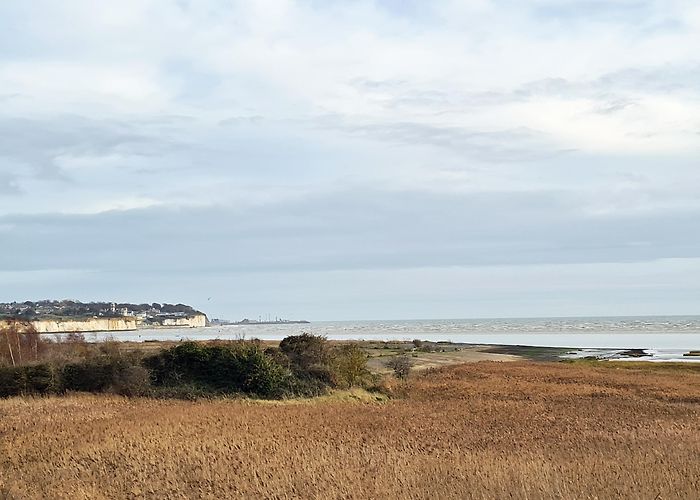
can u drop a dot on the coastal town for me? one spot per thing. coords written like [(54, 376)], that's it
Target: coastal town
[(56, 316)]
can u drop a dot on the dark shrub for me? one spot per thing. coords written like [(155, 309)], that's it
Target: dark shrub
[(230, 368), (262, 375), (276, 355), (323, 374), (131, 380), (87, 376), (306, 387), (29, 379), (312, 358), (306, 350), (42, 379), (112, 371), (11, 381), (190, 362)]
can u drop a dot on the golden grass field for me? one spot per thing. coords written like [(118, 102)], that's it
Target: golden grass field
[(482, 430)]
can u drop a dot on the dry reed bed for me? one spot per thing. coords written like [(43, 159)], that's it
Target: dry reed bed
[(486, 430)]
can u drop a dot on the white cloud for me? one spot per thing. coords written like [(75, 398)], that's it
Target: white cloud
[(245, 107)]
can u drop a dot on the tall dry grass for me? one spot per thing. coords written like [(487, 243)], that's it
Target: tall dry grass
[(487, 430)]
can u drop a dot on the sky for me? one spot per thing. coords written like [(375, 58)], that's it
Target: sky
[(367, 159)]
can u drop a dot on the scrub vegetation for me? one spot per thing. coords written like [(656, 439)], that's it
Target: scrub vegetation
[(481, 430), (303, 365)]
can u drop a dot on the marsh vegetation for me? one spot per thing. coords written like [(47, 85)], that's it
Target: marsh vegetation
[(302, 365), (482, 430)]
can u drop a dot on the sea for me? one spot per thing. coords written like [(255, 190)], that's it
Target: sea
[(663, 338)]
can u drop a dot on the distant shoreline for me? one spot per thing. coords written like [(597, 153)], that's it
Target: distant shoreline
[(247, 322), (253, 323)]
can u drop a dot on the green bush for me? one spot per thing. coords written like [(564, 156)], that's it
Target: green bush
[(111, 371), (29, 379), (312, 358), (306, 350), (350, 364), (304, 365), (231, 368), (42, 379), (131, 380), (87, 376), (11, 381)]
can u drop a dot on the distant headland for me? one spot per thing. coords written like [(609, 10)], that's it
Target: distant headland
[(63, 316)]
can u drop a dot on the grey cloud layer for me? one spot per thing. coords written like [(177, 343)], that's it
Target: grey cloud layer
[(312, 138), (31, 147), (347, 230), (512, 145), (610, 87)]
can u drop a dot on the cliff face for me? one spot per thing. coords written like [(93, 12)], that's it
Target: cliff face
[(194, 321), (84, 325), (111, 324)]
